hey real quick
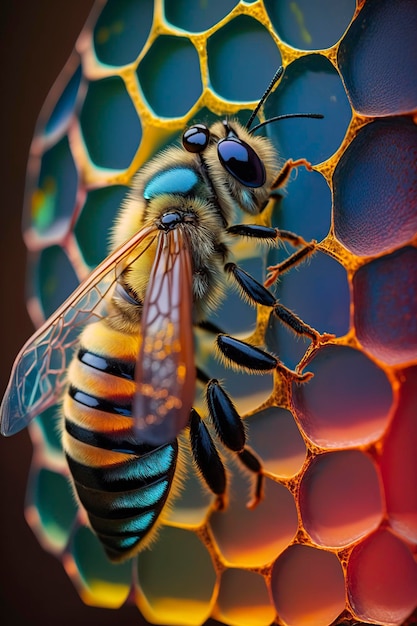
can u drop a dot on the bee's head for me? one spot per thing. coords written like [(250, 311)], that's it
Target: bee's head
[(241, 167)]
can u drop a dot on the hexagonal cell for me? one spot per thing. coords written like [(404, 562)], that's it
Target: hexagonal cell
[(62, 113), (271, 526), (99, 582), (386, 306), (50, 508), (55, 279), (318, 292), (236, 314), (310, 85), (190, 507), (235, 73), (110, 124), (243, 599), (52, 202), (274, 436), (382, 580), (399, 461), (340, 498), (375, 204), (310, 26), (196, 16), (247, 390), (176, 579), (169, 75), (49, 435), (308, 586), (306, 195), (378, 60), (347, 403), (121, 30), (92, 229)]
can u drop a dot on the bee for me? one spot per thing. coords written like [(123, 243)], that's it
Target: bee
[(119, 353)]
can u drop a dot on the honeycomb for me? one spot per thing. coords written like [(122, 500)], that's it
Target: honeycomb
[(334, 540)]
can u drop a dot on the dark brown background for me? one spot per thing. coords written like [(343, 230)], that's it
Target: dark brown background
[(36, 38)]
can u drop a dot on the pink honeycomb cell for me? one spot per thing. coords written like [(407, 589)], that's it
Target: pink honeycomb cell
[(382, 580), (340, 498), (308, 586), (274, 436), (399, 461), (347, 403), (386, 306)]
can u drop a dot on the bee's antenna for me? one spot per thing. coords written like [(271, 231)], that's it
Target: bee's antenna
[(268, 90), (286, 116)]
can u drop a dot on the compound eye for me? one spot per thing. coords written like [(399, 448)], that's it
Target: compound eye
[(195, 139), (242, 162)]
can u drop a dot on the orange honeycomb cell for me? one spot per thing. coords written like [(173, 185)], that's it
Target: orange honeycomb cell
[(307, 586)]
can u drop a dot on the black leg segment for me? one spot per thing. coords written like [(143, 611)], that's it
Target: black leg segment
[(245, 355), (207, 458), (251, 289), (255, 231), (227, 421)]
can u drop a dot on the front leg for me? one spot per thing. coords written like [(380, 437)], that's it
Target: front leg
[(289, 166)]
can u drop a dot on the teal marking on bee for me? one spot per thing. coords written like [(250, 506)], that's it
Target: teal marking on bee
[(175, 180)]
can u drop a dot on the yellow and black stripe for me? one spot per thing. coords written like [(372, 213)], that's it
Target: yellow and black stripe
[(122, 484)]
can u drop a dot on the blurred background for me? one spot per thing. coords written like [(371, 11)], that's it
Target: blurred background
[(36, 39)]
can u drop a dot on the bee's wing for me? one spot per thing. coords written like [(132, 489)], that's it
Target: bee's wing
[(38, 376), (165, 371)]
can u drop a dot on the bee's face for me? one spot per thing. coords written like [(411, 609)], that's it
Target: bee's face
[(240, 165)]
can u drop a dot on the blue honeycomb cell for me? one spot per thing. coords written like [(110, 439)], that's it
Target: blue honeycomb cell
[(386, 306), (121, 30), (169, 76), (53, 263), (375, 182), (197, 16), (310, 85), (235, 73), (318, 292), (52, 201), (378, 58), (110, 124), (64, 108), (310, 25), (93, 227)]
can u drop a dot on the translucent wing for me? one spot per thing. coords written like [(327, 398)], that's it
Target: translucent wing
[(165, 371), (38, 376)]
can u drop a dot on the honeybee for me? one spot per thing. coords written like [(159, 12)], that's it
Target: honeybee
[(119, 353)]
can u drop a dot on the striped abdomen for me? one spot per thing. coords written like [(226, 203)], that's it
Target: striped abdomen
[(122, 484)]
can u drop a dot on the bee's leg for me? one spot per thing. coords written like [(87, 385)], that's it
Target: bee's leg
[(257, 293), (255, 231), (254, 360), (231, 432), (267, 233), (274, 271), (207, 458), (208, 326), (289, 166)]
